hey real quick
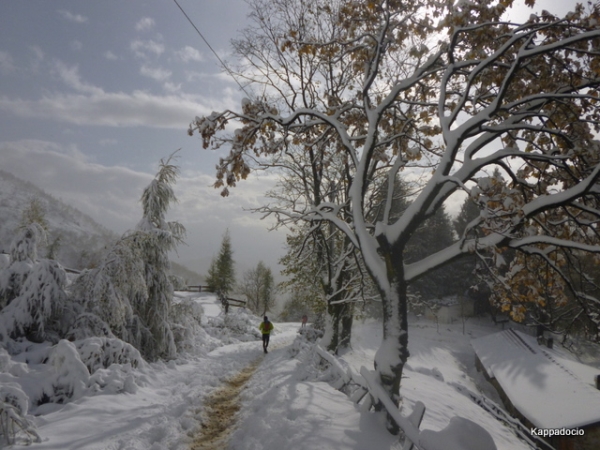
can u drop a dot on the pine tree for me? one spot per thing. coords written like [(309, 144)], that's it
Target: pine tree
[(221, 274)]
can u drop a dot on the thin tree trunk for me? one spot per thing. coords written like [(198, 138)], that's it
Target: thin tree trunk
[(393, 352)]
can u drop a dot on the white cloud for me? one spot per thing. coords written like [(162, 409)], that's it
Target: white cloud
[(145, 24), (91, 105), (71, 77), (77, 18), (172, 87), (114, 109), (143, 49), (110, 55), (187, 54), (6, 63), (156, 73)]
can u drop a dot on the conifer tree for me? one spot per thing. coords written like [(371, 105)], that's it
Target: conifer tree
[(221, 274)]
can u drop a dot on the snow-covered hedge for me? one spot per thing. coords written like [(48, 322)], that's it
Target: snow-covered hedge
[(236, 326)]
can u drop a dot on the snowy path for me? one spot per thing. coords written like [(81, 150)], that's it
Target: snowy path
[(220, 411)]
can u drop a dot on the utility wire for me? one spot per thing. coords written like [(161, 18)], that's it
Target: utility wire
[(211, 49)]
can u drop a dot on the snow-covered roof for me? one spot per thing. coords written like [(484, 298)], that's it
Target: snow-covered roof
[(548, 388)]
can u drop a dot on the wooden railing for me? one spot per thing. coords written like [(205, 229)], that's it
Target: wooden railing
[(366, 389)]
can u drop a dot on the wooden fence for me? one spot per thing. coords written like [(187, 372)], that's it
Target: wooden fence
[(365, 388)]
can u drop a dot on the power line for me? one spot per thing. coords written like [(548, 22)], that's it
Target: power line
[(211, 49)]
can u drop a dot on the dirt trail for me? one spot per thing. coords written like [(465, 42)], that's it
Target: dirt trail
[(219, 411)]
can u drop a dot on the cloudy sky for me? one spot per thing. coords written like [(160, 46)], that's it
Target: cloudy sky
[(94, 94)]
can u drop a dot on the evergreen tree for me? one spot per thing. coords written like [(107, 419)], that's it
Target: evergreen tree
[(221, 274)]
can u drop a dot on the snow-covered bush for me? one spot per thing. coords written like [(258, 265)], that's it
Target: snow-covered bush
[(178, 282), (310, 334), (12, 394), (186, 318), (236, 326), (107, 292), (115, 379), (101, 352), (70, 377), (39, 311), (23, 255), (14, 402)]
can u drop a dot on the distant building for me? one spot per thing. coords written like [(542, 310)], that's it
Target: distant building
[(450, 309), (544, 387)]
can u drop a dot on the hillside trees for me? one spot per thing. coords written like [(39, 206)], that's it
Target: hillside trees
[(449, 93)]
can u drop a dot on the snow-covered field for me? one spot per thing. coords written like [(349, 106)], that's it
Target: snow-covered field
[(286, 404)]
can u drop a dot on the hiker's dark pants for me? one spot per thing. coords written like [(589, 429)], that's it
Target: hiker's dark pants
[(266, 340)]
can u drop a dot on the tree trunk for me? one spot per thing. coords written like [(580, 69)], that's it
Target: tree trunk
[(338, 330), (393, 352)]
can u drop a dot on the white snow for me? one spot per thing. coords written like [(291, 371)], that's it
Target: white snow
[(287, 403), (546, 386)]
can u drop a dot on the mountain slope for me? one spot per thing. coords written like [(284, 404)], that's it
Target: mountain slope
[(78, 239)]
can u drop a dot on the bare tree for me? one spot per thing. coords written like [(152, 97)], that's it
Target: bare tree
[(259, 288), (439, 91)]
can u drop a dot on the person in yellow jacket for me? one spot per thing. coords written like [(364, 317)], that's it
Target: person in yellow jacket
[(265, 328)]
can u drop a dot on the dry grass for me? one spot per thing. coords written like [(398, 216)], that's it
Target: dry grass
[(220, 410)]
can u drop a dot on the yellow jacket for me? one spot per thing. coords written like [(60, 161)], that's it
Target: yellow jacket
[(266, 327)]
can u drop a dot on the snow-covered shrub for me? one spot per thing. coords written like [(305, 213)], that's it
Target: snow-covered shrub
[(101, 352), (13, 424), (70, 377), (178, 282), (88, 325), (12, 394), (310, 334), (11, 280), (234, 327), (185, 317), (14, 402), (299, 345), (23, 255), (39, 311), (115, 379), (108, 291)]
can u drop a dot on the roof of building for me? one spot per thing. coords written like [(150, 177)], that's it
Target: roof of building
[(546, 386)]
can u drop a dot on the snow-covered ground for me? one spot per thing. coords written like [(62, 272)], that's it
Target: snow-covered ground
[(287, 403)]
